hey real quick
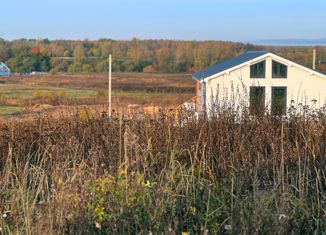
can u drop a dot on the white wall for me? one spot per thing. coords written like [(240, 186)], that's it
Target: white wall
[(302, 86)]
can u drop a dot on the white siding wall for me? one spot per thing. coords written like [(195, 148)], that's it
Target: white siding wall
[(302, 86)]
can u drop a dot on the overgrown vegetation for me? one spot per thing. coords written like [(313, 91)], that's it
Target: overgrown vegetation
[(231, 174), (24, 56)]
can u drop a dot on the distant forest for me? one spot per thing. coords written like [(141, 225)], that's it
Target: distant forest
[(166, 56)]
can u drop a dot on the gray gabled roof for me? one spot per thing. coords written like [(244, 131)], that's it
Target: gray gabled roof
[(227, 64)]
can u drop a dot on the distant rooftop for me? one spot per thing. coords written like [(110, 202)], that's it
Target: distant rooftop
[(227, 64)]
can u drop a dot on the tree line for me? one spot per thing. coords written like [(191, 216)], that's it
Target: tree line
[(168, 56)]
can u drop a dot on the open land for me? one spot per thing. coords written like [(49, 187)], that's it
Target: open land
[(23, 95), (80, 173)]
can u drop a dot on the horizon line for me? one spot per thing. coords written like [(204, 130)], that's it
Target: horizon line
[(256, 42)]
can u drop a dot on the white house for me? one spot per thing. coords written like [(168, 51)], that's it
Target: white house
[(260, 80)]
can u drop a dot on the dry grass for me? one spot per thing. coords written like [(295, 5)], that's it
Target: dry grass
[(82, 174), (120, 81), (74, 90)]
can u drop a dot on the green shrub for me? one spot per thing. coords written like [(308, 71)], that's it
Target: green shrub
[(54, 72), (102, 93)]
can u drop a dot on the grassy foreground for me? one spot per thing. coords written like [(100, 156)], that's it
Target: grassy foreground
[(228, 175)]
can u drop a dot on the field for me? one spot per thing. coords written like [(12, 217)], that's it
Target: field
[(21, 96), (157, 173)]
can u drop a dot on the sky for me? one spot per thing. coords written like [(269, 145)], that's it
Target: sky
[(233, 20)]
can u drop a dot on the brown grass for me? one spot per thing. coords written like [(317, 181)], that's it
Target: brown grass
[(120, 81), (83, 174), (145, 90)]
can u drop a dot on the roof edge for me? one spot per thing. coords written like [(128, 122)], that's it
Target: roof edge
[(203, 77)]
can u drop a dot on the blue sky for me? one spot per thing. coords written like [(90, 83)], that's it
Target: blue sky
[(234, 20)]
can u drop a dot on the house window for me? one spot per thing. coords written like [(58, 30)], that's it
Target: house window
[(257, 100), (279, 100), (279, 70), (257, 70)]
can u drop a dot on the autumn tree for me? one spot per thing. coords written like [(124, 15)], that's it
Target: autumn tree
[(25, 55)]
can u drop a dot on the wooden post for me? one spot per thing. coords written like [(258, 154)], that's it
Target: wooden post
[(197, 95), (314, 59), (109, 88)]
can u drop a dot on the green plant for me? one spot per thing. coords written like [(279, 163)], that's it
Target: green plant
[(54, 72), (117, 200), (101, 93)]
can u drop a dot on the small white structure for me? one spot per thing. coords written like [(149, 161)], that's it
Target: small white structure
[(4, 70), (36, 73), (262, 81)]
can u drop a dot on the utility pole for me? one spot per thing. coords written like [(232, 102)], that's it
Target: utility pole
[(314, 59), (109, 88)]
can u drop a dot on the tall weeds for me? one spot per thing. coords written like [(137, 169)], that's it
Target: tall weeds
[(230, 174)]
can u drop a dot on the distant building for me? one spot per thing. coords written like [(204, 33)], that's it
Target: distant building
[(4, 70), (36, 73)]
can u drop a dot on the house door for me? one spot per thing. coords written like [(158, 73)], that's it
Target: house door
[(279, 96), (257, 100)]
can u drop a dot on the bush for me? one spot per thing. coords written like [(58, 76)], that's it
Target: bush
[(52, 98), (149, 69), (102, 93), (54, 72)]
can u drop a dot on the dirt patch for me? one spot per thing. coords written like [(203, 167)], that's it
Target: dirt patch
[(41, 108)]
